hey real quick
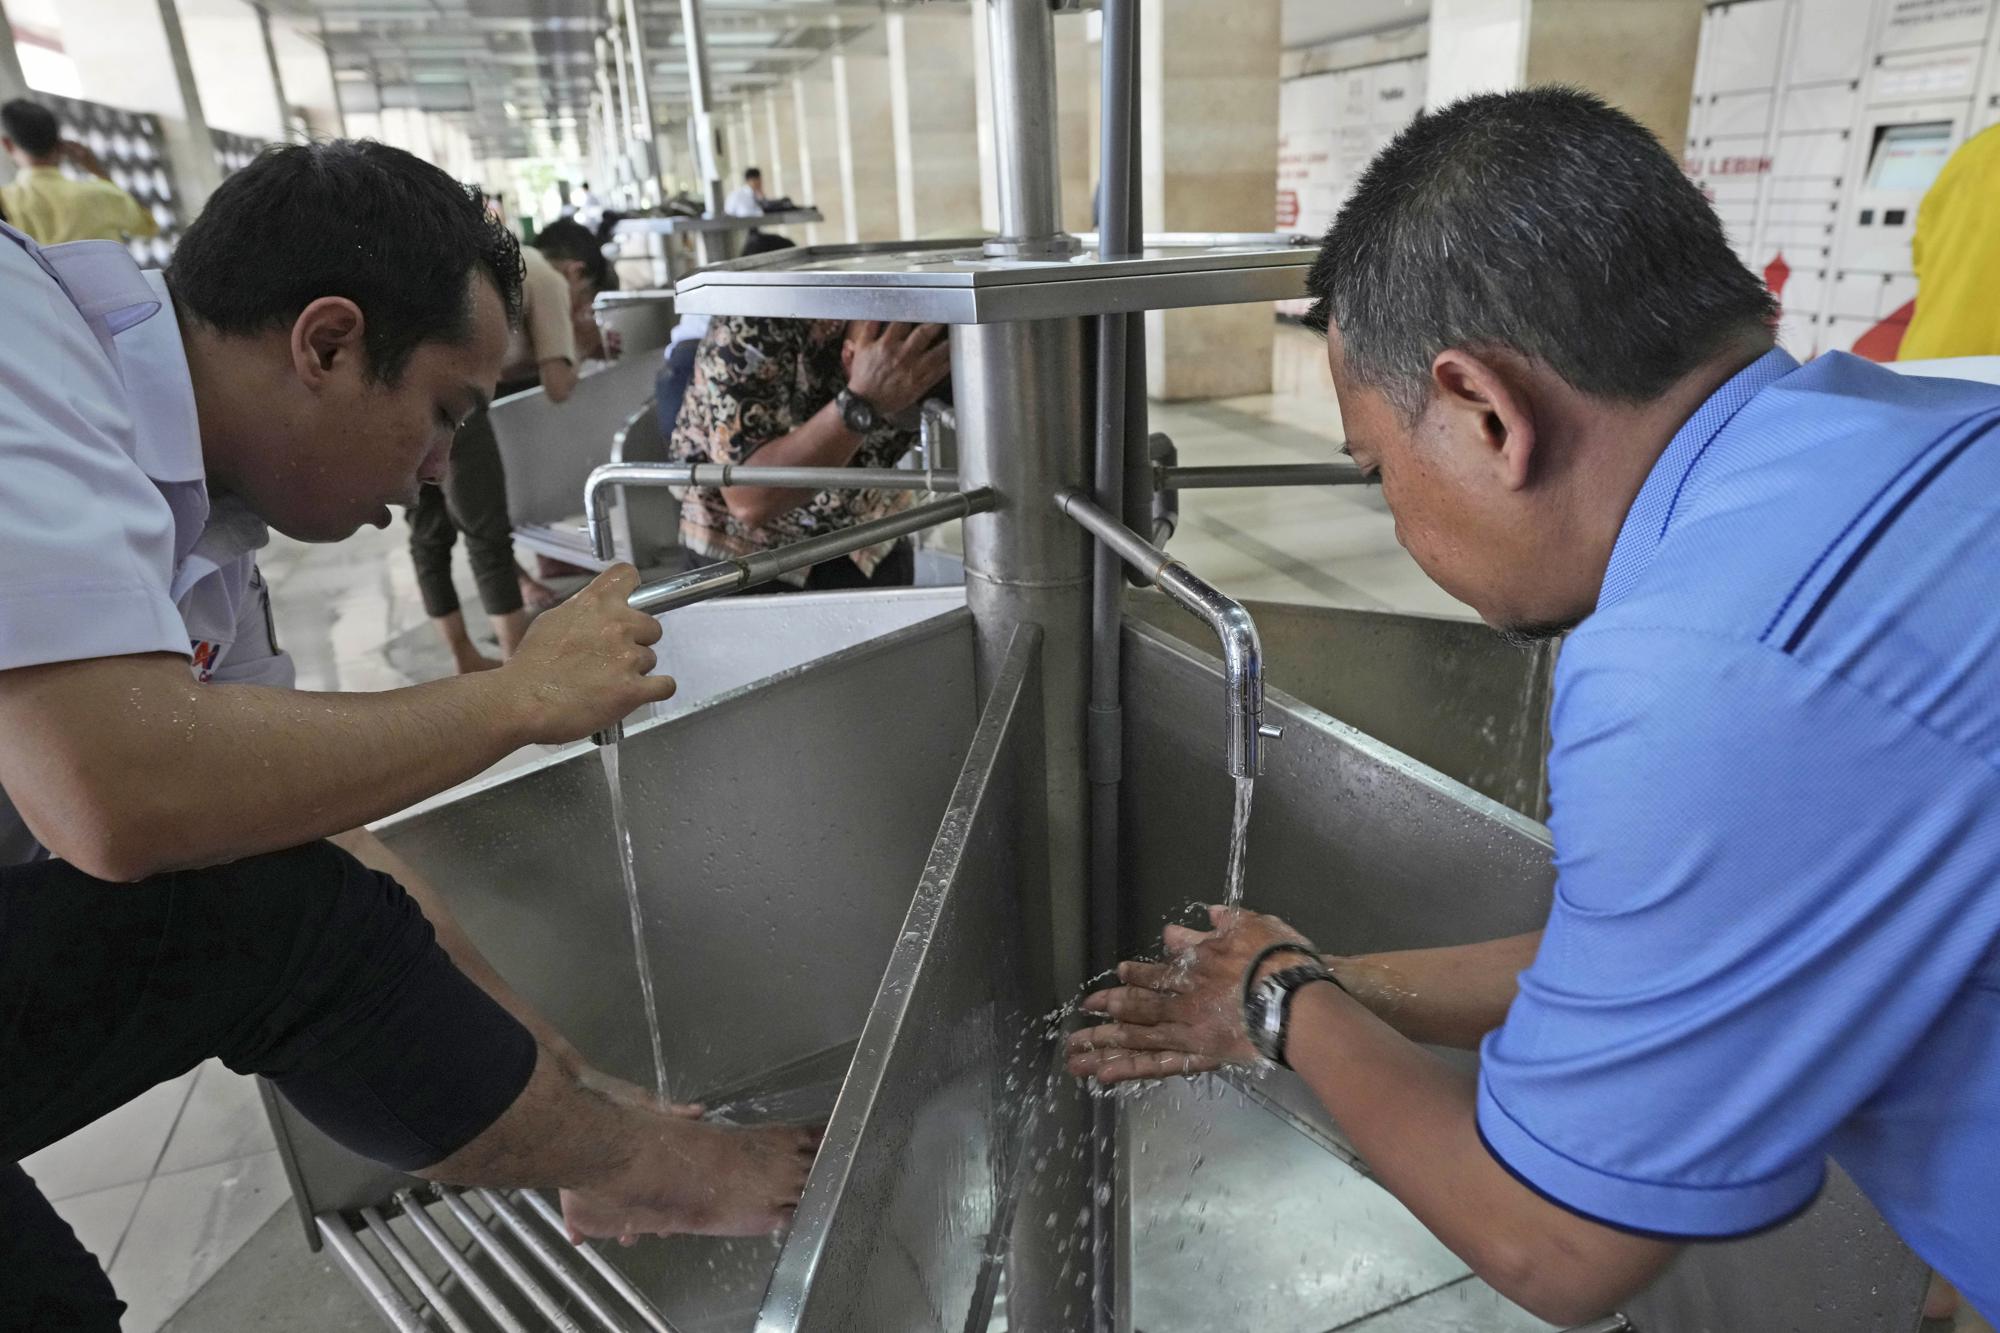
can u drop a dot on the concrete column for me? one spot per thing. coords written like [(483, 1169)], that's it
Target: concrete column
[(935, 115), (135, 56), (1637, 54), (233, 67), (1209, 130), (13, 83), (819, 115), (781, 126), (867, 136)]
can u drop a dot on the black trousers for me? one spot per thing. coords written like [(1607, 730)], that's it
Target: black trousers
[(303, 966), (472, 501)]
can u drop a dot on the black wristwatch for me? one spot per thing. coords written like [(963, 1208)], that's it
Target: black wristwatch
[(857, 413), (1267, 1004)]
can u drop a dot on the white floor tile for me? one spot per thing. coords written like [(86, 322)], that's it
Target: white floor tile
[(100, 1218), (187, 1224), (117, 1149), (223, 1120)]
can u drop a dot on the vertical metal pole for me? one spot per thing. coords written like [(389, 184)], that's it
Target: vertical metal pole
[(1110, 1197), (642, 89), (624, 90), (277, 75), (1021, 44), (699, 94), (1023, 430)]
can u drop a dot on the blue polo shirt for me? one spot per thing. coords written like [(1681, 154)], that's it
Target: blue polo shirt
[(1775, 793)]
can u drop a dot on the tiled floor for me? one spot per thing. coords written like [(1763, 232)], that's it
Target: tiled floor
[(166, 1188)]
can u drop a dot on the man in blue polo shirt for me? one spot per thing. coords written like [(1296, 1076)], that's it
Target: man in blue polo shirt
[(1775, 773)]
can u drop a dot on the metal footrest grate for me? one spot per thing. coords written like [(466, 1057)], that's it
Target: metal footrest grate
[(510, 1266)]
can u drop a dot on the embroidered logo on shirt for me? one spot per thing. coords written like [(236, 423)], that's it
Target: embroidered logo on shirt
[(206, 653)]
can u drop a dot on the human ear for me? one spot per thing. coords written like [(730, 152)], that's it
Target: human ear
[(1492, 403), (326, 332)]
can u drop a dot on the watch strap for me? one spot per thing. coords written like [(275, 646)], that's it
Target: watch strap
[(1284, 985)]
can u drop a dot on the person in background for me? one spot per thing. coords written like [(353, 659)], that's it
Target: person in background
[(670, 386), (1956, 254), (804, 393), (50, 206), (747, 199), (561, 270)]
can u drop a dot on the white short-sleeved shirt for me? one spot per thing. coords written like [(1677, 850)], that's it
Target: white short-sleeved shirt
[(110, 543)]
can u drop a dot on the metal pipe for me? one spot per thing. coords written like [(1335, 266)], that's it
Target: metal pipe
[(1242, 653), (1021, 38), (1259, 474), (642, 91), (1116, 236), (624, 91), (1017, 382), (489, 1300), (505, 1260), (934, 423), (386, 1237), (368, 1275), (603, 1267), (538, 1245), (695, 38), (727, 576), (597, 490)]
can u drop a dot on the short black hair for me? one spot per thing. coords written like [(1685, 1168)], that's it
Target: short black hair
[(763, 242), (351, 218), (1544, 222), (753, 174), (32, 126), (566, 238)]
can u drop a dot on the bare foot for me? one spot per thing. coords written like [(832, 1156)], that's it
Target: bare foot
[(709, 1180), (476, 661), (1941, 1301), (537, 596)]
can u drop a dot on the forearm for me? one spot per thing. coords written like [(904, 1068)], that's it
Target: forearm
[(1444, 997), (824, 441), (365, 847), (1411, 1117), (167, 774)]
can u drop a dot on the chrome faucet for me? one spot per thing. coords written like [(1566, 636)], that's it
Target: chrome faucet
[(1242, 653)]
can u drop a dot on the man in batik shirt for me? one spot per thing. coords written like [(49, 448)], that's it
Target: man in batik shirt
[(804, 393)]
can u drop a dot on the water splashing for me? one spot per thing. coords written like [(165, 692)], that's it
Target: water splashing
[(623, 832), (1239, 832)]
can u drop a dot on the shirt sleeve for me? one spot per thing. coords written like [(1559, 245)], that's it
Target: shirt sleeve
[(254, 657), (1769, 887), (547, 312), (86, 539)]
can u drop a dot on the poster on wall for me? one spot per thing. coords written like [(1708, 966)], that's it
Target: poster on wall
[(1329, 126)]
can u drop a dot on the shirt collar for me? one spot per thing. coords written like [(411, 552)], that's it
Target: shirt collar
[(1652, 512)]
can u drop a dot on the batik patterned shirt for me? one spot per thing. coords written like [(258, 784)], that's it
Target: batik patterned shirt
[(756, 380)]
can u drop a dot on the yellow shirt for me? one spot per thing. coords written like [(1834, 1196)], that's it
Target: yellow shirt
[(52, 208), (1957, 257)]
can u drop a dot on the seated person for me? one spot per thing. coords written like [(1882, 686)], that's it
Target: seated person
[(804, 393)]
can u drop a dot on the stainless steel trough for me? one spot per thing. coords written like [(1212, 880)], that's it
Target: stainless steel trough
[(781, 830)]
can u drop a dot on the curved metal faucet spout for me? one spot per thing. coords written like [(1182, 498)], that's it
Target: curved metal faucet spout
[(1242, 652)]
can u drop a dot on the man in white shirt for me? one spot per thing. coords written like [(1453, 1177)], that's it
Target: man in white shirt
[(747, 199), (166, 893)]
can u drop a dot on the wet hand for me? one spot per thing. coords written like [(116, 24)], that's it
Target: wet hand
[(894, 365), (1184, 1015), (583, 665)]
